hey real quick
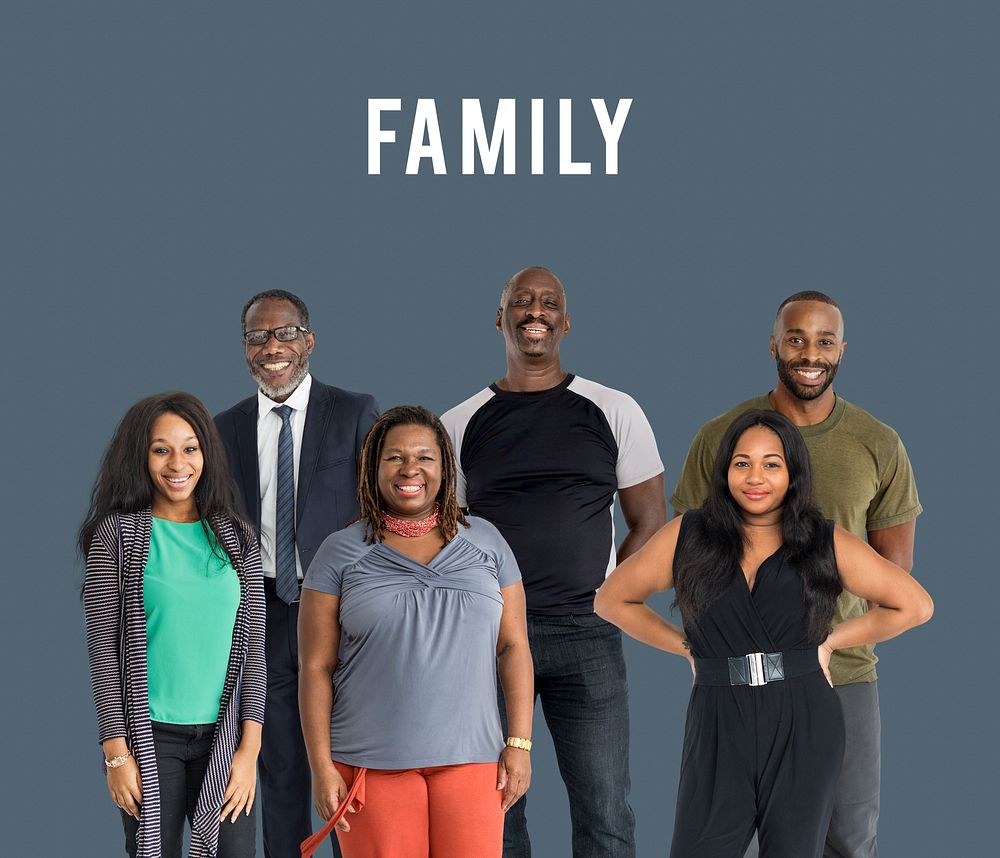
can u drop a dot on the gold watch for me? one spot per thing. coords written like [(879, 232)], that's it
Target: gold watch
[(522, 744)]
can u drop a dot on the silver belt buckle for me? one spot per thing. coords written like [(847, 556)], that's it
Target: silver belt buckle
[(755, 662)]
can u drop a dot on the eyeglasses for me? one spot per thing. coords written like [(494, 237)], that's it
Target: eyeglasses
[(283, 335)]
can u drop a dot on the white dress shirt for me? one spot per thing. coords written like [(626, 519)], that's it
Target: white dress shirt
[(268, 429)]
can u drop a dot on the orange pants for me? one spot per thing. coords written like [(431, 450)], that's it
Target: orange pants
[(436, 812)]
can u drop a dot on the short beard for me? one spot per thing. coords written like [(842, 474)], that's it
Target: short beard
[(801, 391), (533, 350), (281, 391)]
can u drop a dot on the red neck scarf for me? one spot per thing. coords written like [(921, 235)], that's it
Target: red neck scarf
[(412, 526)]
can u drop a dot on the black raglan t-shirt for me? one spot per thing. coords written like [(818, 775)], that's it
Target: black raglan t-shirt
[(544, 467)]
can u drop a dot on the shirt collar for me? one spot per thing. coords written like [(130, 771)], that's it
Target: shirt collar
[(297, 401)]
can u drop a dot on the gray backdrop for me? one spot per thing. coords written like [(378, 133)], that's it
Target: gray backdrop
[(162, 162)]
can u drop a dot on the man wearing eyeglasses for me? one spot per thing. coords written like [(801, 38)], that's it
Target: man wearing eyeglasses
[(293, 451)]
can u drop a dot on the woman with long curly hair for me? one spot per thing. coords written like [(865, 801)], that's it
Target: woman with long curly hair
[(407, 618), (175, 632), (757, 571)]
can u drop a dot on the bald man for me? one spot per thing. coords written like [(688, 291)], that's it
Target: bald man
[(542, 454)]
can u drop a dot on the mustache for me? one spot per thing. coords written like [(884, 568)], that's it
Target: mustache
[(809, 364)]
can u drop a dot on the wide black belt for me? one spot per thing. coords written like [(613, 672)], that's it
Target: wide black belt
[(755, 668)]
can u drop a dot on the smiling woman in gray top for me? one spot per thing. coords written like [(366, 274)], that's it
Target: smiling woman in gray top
[(407, 617)]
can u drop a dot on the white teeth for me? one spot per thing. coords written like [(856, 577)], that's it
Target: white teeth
[(812, 373), (536, 330), (276, 367), (410, 490), (177, 480)]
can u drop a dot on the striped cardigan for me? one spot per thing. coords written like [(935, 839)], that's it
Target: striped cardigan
[(116, 643)]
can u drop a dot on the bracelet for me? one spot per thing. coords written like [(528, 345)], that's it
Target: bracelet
[(520, 744), (115, 762)]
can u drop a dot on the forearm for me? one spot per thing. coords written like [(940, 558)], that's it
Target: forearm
[(879, 624), (641, 622), (253, 694), (315, 706), (105, 675), (115, 747), (518, 682), (250, 738), (102, 612)]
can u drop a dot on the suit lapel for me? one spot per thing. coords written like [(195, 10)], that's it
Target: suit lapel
[(246, 442), (319, 410)]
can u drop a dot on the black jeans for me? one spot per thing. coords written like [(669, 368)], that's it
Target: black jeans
[(580, 680), (182, 752)]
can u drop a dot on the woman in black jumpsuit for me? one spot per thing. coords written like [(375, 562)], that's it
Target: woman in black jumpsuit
[(757, 572), (767, 756)]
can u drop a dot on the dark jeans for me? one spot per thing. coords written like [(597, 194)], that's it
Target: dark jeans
[(580, 681), (283, 767), (182, 752)]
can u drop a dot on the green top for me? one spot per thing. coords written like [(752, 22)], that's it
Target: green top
[(862, 480), (190, 597)]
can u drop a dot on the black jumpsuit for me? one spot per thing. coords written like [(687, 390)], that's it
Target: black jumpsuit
[(764, 757)]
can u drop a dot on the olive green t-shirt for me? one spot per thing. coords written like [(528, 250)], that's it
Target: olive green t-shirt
[(862, 480)]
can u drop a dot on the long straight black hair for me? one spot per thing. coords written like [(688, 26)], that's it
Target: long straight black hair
[(716, 539), (123, 483)]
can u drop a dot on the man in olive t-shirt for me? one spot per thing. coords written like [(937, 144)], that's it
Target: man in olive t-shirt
[(863, 481)]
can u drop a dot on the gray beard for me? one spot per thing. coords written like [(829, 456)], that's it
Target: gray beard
[(286, 389)]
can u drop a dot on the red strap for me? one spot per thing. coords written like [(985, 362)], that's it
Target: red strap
[(311, 844)]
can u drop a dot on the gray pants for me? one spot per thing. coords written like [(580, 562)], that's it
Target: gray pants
[(854, 826)]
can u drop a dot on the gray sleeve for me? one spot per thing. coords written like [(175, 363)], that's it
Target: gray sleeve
[(508, 571), (638, 458), (338, 551), (454, 421), (492, 543)]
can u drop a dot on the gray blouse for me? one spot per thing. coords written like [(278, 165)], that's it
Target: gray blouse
[(416, 682)]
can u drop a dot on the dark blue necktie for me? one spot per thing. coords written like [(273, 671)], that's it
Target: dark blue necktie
[(286, 580)]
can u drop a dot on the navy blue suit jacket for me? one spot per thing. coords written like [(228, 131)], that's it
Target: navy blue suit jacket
[(327, 482)]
